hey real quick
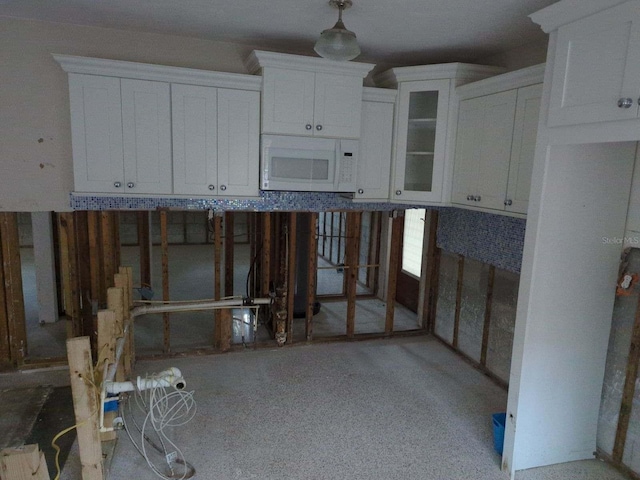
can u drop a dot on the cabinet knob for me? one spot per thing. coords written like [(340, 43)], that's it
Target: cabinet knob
[(360, 191), (117, 184), (308, 126), (477, 198), (398, 192), (223, 187), (318, 127), (470, 197), (508, 202), (211, 187), (625, 102), (131, 184)]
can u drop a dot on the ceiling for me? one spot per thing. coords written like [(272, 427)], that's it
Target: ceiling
[(399, 32)]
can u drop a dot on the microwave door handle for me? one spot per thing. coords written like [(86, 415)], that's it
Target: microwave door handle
[(338, 164)]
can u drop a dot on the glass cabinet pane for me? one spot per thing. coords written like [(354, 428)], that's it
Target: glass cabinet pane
[(421, 138)]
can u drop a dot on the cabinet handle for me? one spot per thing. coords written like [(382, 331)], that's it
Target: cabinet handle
[(223, 187), (360, 191), (398, 192), (308, 126), (318, 127), (212, 187), (625, 102), (508, 202), (117, 184), (131, 184)]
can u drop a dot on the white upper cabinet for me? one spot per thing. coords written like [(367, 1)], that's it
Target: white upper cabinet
[(215, 141), (309, 96), (96, 133), (523, 148), (238, 142), (495, 141), (423, 109), (376, 143), (150, 129), (483, 150), (195, 139), (423, 127), (146, 123), (596, 68)]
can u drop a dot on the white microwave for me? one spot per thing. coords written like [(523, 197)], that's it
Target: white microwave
[(308, 164)]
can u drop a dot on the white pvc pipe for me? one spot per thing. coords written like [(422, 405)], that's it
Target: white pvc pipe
[(171, 377)]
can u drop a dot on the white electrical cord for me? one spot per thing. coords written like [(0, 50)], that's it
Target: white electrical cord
[(163, 407)]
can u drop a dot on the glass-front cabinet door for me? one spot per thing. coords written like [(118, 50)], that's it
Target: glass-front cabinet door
[(421, 141)]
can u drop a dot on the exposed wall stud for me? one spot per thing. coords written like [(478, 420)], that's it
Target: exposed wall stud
[(145, 248), (164, 245), (291, 273), (487, 316), (217, 278), (432, 257), (456, 324), (229, 247), (106, 355), (392, 279), (352, 250), (311, 275)]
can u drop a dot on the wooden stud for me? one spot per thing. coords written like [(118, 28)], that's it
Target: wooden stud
[(226, 327), (229, 247), (87, 327), (331, 238), (291, 272), (352, 253), (253, 240), (5, 342), (115, 303), (66, 267), (164, 242), (124, 280), (392, 273), (58, 262), (431, 234), (116, 237), (266, 252), (311, 275), (145, 248), (217, 274), (14, 300), (106, 356), (108, 250), (487, 316), (628, 391), (98, 289), (456, 323), (85, 406)]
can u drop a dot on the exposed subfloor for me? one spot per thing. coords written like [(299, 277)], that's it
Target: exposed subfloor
[(403, 408)]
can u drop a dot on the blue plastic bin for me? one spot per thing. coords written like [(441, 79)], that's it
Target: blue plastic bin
[(499, 420)]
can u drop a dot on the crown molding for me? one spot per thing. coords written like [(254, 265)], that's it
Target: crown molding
[(506, 81), (386, 95), (161, 73), (260, 59), (467, 71), (567, 11)]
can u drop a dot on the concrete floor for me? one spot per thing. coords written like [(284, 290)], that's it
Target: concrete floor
[(385, 409)]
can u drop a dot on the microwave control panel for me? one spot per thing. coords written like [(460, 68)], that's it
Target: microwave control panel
[(348, 159)]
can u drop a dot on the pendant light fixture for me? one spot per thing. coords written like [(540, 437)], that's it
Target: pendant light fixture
[(338, 43)]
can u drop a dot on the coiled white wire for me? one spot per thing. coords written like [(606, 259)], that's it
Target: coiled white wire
[(163, 409)]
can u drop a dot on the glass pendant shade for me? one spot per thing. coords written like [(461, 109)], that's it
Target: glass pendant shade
[(337, 43)]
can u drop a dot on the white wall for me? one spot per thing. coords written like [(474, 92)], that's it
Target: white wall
[(632, 234), (35, 140)]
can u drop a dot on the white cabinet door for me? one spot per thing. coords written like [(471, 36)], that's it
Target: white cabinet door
[(523, 147), (238, 142), (374, 155), (287, 106), (96, 132), (195, 144), (483, 150), (597, 63), (423, 112), (468, 141), (337, 107), (495, 149), (146, 122)]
